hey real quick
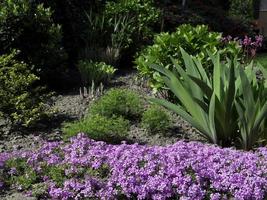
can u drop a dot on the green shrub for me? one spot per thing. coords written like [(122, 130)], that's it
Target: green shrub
[(28, 27), (121, 25), (105, 38), (142, 12), (118, 102), (156, 120), (195, 40), (98, 72), (97, 127), (243, 9), (71, 15), (210, 13), (230, 106), (21, 101)]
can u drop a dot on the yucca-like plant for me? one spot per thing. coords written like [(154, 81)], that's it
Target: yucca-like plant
[(252, 107), (226, 106)]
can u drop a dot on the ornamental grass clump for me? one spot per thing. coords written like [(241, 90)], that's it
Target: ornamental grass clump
[(97, 72), (97, 127), (230, 106), (86, 169)]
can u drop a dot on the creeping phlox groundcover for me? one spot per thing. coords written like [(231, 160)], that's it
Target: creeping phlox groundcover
[(184, 170)]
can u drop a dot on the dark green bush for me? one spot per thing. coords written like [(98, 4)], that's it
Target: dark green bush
[(118, 102), (105, 38), (120, 26), (156, 120), (212, 13), (196, 40), (243, 9), (143, 13), (21, 101), (97, 72), (71, 15), (97, 127), (29, 27)]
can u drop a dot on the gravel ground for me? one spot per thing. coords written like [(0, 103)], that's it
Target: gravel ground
[(73, 106)]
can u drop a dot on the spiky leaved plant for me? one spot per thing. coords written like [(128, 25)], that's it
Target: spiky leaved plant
[(227, 106)]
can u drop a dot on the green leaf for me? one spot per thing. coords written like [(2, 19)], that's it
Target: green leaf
[(178, 110), (212, 119)]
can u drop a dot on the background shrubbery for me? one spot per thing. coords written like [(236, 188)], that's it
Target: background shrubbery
[(21, 101), (196, 40), (143, 13), (215, 14), (29, 27)]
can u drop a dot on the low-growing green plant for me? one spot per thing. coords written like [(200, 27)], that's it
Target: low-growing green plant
[(21, 101), (20, 174), (97, 127), (196, 40), (155, 120), (229, 106), (39, 190), (118, 102), (55, 173), (97, 72)]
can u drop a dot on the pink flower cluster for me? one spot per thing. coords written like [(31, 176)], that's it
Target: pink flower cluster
[(248, 41), (249, 45), (184, 170)]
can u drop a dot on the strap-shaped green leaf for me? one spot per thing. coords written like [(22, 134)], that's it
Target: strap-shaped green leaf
[(212, 119), (247, 93), (178, 110), (217, 76)]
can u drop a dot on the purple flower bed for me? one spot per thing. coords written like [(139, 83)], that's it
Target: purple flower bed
[(181, 171)]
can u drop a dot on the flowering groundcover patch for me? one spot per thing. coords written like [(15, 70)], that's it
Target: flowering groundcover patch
[(86, 169)]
